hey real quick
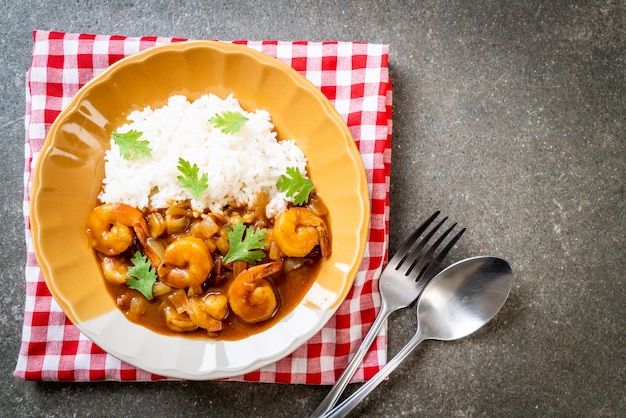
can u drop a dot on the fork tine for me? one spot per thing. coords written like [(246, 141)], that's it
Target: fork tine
[(413, 255), (428, 271), (401, 253), (422, 262)]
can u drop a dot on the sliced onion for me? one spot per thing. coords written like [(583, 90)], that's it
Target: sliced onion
[(238, 267), (293, 263), (176, 219), (179, 300), (137, 307), (209, 227), (160, 289), (317, 206), (223, 244), (156, 225), (157, 247)]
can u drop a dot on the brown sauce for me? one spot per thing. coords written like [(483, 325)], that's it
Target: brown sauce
[(290, 287), (290, 284)]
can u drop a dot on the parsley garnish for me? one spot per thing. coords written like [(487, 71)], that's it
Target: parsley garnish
[(190, 179), (248, 248), (295, 185), (143, 275), (230, 122), (130, 145)]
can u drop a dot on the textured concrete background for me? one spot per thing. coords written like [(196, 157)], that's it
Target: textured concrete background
[(508, 116)]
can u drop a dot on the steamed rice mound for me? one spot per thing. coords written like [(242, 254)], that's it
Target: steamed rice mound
[(239, 166)]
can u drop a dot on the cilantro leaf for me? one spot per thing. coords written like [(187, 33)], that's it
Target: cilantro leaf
[(248, 248), (143, 275), (230, 122), (190, 179), (295, 185), (130, 145)]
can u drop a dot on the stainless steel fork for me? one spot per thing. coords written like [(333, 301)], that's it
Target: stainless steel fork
[(401, 282)]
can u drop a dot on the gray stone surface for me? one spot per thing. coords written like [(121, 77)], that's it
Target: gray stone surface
[(508, 116)]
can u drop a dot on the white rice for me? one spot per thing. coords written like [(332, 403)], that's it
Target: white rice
[(238, 165)]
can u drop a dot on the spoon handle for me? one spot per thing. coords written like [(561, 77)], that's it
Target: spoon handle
[(353, 400), (335, 392)]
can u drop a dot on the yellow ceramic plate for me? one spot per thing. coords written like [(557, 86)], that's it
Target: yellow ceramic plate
[(68, 179)]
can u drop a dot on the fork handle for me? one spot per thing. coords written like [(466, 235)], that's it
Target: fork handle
[(353, 400), (335, 392)]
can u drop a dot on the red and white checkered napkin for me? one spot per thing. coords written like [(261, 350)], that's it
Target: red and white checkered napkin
[(354, 77)]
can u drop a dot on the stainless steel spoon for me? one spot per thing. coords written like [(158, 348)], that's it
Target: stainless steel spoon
[(455, 303)]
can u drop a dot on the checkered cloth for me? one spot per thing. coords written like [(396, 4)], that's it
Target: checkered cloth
[(354, 77)]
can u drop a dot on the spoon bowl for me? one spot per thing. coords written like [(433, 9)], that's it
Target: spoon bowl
[(454, 304), (463, 298)]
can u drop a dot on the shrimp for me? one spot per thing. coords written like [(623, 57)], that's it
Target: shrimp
[(187, 262), (251, 296), (109, 227), (115, 269), (207, 312), (298, 230), (179, 322)]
